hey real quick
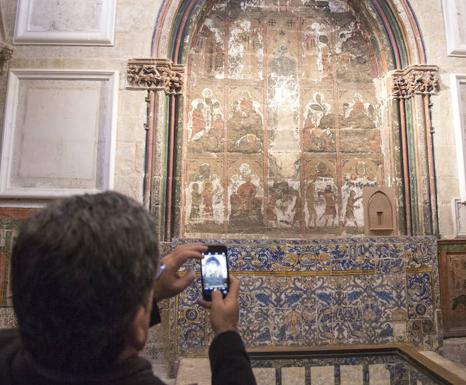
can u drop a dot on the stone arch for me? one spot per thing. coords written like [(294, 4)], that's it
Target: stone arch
[(408, 82), (395, 16)]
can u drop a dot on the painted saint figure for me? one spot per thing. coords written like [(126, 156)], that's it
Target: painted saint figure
[(199, 123), (349, 210), (208, 200), (245, 206), (330, 205), (196, 199), (311, 208), (245, 126)]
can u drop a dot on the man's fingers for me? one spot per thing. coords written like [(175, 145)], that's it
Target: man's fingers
[(234, 287), (183, 282), (200, 246), (178, 257), (217, 296), (206, 304), (195, 247)]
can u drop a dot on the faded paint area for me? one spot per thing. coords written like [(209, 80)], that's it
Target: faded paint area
[(283, 121)]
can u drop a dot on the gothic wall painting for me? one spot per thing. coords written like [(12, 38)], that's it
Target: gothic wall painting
[(283, 120)]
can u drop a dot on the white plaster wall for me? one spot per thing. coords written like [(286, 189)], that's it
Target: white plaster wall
[(135, 23), (431, 22)]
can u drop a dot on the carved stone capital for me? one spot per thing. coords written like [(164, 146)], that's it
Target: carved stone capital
[(415, 80), (6, 53), (156, 74)]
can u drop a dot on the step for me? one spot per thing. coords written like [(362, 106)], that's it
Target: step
[(455, 350)]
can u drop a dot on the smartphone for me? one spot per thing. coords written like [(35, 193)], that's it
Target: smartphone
[(214, 271)]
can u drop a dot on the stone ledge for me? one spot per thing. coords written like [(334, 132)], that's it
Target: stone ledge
[(452, 367), (455, 350)]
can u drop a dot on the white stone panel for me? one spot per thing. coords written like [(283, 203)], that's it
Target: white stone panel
[(59, 133), (351, 375), (293, 376), (455, 21), (323, 375), (379, 375), (65, 22), (265, 376)]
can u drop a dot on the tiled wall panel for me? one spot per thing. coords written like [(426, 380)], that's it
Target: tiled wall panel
[(321, 292)]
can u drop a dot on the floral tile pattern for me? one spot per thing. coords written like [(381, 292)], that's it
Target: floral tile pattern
[(318, 292)]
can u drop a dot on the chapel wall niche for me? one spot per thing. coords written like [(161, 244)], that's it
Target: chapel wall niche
[(285, 121)]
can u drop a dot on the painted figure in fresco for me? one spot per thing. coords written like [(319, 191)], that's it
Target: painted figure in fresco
[(270, 215), (246, 194), (349, 210), (319, 126), (245, 126), (316, 52), (208, 200), (196, 199), (352, 56), (198, 122), (298, 216), (323, 50), (311, 208), (361, 115), (206, 124), (286, 203), (315, 110), (208, 53), (245, 205), (204, 198), (213, 142), (245, 51), (330, 206)]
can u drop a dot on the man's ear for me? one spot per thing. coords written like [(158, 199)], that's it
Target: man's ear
[(139, 327)]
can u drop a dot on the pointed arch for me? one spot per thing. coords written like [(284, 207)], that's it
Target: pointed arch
[(395, 19), (397, 40)]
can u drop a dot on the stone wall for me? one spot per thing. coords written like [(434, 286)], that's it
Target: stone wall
[(135, 23), (431, 21)]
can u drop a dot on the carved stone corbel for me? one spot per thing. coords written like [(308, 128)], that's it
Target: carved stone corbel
[(415, 80), (6, 53), (156, 74)]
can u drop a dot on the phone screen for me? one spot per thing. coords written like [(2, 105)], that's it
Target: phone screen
[(214, 267)]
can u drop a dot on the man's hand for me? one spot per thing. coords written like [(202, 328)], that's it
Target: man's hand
[(170, 283), (224, 312)]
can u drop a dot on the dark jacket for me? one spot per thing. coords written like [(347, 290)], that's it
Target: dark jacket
[(228, 359)]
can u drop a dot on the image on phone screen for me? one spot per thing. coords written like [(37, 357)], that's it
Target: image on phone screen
[(214, 272)]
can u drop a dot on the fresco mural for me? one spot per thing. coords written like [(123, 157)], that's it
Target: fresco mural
[(282, 121)]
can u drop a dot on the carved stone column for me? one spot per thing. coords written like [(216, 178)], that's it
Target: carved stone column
[(411, 89), (154, 75), (6, 53)]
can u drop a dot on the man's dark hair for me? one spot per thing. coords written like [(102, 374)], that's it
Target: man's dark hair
[(81, 267)]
